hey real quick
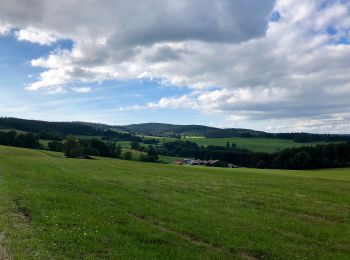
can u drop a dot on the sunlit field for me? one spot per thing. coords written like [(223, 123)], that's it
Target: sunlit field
[(58, 208)]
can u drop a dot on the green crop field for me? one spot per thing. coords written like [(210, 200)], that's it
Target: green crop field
[(268, 145), (44, 143), (57, 208), (254, 144), (8, 130)]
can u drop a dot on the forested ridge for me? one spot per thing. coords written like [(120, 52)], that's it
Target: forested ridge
[(158, 129)]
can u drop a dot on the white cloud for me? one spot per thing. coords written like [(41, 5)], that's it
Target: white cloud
[(82, 89), (35, 36), (183, 102), (131, 108), (335, 123), (112, 39), (4, 28)]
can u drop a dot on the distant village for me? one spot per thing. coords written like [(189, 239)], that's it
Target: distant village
[(209, 163)]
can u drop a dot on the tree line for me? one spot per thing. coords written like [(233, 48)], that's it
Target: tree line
[(26, 140), (59, 130), (75, 148), (297, 137), (307, 157), (36, 126)]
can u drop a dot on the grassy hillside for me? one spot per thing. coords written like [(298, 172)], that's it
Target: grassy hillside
[(268, 145), (8, 130), (57, 208)]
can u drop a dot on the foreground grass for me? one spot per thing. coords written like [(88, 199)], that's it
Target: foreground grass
[(58, 208)]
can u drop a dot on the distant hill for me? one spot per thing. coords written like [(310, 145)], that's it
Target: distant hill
[(156, 129), (159, 129), (36, 126)]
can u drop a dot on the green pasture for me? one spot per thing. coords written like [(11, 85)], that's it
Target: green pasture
[(254, 144), (52, 207)]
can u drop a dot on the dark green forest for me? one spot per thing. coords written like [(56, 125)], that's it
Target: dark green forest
[(306, 157)]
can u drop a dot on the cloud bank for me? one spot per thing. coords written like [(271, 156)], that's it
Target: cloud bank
[(231, 55)]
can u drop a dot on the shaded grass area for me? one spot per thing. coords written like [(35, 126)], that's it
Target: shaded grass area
[(6, 130), (136, 156), (44, 143), (71, 209), (168, 159)]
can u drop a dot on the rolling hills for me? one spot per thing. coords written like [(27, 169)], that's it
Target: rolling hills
[(85, 128), (159, 129), (54, 207), (256, 141)]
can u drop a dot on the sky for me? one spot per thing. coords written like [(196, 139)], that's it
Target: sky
[(276, 66)]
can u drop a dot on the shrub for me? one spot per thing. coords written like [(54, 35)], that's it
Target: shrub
[(127, 155), (72, 147)]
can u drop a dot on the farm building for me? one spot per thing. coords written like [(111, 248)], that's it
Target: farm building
[(197, 162)]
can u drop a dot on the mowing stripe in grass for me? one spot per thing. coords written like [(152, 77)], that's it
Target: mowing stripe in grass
[(186, 237), (116, 209)]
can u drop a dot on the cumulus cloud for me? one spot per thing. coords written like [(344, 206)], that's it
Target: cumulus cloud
[(232, 59), (110, 36), (4, 28), (183, 102), (35, 36), (81, 89), (298, 71), (125, 23)]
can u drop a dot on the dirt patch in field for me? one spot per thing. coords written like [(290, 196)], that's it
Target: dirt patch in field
[(23, 212), (3, 251), (319, 219), (248, 256)]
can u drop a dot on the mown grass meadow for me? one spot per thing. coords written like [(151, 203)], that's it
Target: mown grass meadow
[(268, 145), (58, 208)]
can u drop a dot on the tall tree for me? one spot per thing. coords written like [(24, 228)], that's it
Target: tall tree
[(118, 151), (72, 147)]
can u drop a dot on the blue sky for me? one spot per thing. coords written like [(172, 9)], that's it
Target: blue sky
[(275, 66), (104, 102)]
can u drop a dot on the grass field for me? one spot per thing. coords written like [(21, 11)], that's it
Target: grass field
[(268, 145), (57, 208), (8, 130), (44, 143), (162, 159), (254, 144), (169, 159)]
